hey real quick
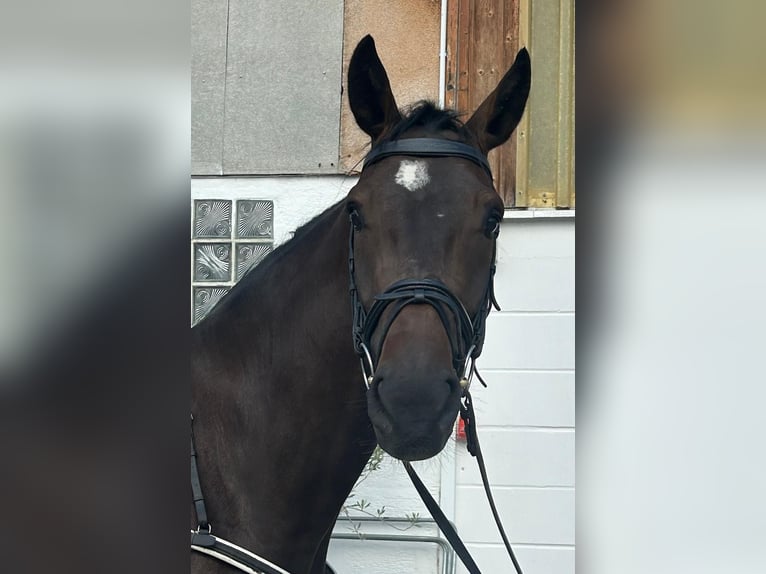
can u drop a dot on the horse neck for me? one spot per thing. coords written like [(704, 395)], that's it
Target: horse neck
[(302, 310), (281, 389), (293, 311)]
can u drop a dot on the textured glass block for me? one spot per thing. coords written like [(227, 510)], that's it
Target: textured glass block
[(205, 298), (249, 255), (255, 218), (212, 218), (212, 262)]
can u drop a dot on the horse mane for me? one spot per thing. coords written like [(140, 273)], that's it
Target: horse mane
[(425, 114), (264, 267)]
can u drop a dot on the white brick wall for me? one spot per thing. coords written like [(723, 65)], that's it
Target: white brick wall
[(526, 416)]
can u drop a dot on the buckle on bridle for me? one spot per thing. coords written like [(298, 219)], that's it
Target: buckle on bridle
[(368, 376), (467, 374)]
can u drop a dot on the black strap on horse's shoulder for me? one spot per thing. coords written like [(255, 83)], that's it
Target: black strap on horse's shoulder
[(427, 147), (468, 416), (197, 497)]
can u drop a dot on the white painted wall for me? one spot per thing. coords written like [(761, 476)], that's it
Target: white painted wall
[(526, 416)]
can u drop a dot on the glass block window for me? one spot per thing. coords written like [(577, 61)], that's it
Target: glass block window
[(229, 237)]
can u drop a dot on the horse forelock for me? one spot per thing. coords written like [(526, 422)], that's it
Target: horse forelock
[(429, 118)]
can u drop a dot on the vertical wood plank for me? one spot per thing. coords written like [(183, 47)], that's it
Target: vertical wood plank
[(465, 39), (564, 179), (459, 39), (483, 39), (506, 180), (544, 104), (522, 131), (450, 92)]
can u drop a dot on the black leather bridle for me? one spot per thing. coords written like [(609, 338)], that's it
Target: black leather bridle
[(465, 333), (427, 147)]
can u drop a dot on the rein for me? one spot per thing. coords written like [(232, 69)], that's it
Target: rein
[(466, 340)]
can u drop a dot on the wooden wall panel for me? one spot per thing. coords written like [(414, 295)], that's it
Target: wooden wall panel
[(482, 40), (406, 34), (536, 168)]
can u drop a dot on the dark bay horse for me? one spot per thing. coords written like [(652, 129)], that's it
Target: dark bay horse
[(283, 421)]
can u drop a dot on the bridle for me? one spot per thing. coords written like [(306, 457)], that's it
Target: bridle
[(466, 339), (465, 333)]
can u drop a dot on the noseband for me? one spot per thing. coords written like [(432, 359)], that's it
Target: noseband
[(465, 333)]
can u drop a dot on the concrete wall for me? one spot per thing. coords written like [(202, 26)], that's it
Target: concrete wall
[(526, 416), (266, 86)]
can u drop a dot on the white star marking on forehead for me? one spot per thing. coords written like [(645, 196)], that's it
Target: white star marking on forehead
[(412, 174)]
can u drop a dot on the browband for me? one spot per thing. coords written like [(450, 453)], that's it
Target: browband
[(427, 147)]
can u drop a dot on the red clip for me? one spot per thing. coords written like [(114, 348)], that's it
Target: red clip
[(460, 430)]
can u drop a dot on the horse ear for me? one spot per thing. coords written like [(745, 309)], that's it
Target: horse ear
[(369, 92), (498, 115)]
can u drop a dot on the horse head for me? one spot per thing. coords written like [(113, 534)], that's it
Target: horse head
[(425, 216)]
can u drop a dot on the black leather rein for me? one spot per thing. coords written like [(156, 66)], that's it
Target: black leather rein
[(465, 333)]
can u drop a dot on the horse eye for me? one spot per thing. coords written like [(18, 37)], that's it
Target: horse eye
[(355, 217), (492, 229)]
